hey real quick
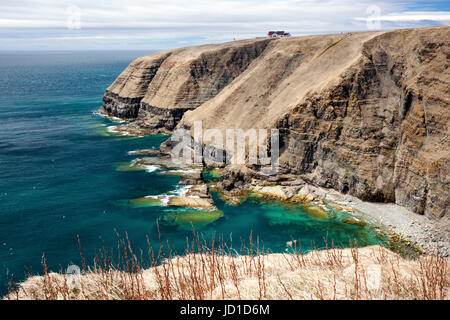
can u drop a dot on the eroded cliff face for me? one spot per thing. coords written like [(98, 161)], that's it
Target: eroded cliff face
[(363, 113), (158, 89), (123, 98), (381, 134)]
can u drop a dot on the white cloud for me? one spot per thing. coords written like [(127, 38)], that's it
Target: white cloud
[(410, 16), (179, 13), (165, 23)]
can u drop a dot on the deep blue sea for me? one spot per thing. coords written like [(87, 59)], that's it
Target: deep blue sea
[(60, 174)]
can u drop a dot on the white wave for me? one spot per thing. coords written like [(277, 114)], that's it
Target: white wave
[(150, 168), (185, 171), (112, 118), (181, 190), (163, 198), (137, 152), (114, 129), (132, 162)]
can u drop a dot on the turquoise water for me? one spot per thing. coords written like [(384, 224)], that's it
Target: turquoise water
[(59, 177)]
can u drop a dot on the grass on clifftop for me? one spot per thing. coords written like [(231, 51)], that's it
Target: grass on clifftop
[(211, 270)]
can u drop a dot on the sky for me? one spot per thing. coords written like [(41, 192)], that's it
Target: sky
[(163, 24)]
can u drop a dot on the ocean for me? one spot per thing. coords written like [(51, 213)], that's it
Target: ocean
[(63, 176)]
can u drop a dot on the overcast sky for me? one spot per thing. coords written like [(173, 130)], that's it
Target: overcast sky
[(161, 24)]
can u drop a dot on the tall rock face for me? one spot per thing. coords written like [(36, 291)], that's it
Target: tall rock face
[(123, 98), (363, 113), (382, 132), (157, 90)]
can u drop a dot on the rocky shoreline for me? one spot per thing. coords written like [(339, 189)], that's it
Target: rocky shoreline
[(236, 183), (399, 223), (195, 190), (362, 118)]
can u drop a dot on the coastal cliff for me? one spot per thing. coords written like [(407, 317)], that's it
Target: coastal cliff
[(363, 113), (157, 90)]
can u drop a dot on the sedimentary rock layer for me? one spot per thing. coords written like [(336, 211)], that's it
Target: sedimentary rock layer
[(363, 113), (158, 89), (122, 99)]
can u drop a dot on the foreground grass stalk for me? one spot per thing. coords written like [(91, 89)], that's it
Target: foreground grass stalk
[(214, 271)]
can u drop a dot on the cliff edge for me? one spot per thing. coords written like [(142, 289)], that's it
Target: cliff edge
[(363, 113)]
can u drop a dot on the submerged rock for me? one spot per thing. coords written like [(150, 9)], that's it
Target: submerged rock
[(316, 211), (146, 202), (191, 202), (127, 166), (354, 221), (196, 218)]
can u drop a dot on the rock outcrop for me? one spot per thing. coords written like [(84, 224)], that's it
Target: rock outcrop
[(363, 113)]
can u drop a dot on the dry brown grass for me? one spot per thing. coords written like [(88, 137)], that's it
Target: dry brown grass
[(214, 271)]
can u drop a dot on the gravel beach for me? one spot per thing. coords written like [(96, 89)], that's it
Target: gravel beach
[(431, 234)]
